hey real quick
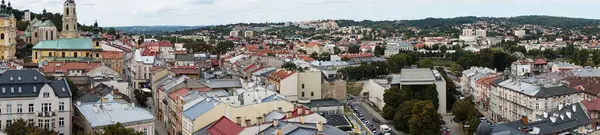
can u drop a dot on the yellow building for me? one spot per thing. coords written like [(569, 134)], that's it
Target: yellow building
[(68, 49), (8, 32)]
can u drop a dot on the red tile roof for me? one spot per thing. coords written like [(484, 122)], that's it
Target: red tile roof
[(281, 74), (419, 45), (180, 92), (587, 85), (311, 44), (112, 55), (52, 67), (593, 105), (540, 61), (151, 51), (307, 58), (356, 55), (224, 126), (185, 70), (249, 67)]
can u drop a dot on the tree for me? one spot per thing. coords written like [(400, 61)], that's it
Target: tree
[(379, 50), (596, 57), (398, 61), (22, 26), (302, 51), (325, 56), (336, 50), (73, 88), (199, 46), (289, 66), (141, 97), (426, 63), (112, 31), (345, 59), (118, 129), (424, 119), (314, 55), (21, 127), (394, 97), (354, 49), (464, 109), (225, 46)]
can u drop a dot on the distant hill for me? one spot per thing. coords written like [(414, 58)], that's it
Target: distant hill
[(153, 29)]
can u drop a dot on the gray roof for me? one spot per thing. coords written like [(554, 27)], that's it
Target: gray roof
[(223, 83), (26, 80), (323, 103), (557, 121), (200, 108), (417, 75), (274, 115), (586, 72), (338, 120), (297, 128), (113, 112), (100, 91), (184, 57)]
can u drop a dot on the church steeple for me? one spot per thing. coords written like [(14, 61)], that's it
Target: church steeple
[(69, 26), (44, 16)]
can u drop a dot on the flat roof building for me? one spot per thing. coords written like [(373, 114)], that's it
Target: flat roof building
[(426, 76)]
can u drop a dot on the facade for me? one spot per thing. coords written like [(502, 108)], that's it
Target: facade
[(481, 33), (520, 33), (69, 20), (8, 32), (114, 60), (69, 49), (69, 69), (94, 116), (373, 91), (26, 16), (286, 83), (313, 47), (425, 76), (141, 69), (248, 33), (234, 33), (28, 95), (40, 30), (309, 85)]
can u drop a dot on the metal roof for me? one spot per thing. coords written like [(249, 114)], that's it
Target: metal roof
[(113, 112), (65, 44), (200, 108)]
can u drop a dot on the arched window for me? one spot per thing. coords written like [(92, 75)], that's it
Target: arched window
[(67, 27), (2, 36), (75, 54), (67, 12), (51, 35), (97, 44), (35, 34), (97, 55), (50, 54), (46, 35), (63, 54)]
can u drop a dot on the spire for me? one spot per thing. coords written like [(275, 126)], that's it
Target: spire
[(96, 31), (44, 17), (3, 6), (9, 8)]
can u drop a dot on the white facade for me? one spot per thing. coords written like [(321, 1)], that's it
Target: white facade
[(27, 15), (481, 33), (234, 33), (467, 32), (309, 85), (375, 90), (520, 33), (288, 87)]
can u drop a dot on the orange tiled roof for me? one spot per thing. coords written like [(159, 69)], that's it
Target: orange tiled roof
[(311, 44), (180, 92), (281, 74), (112, 55), (65, 66)]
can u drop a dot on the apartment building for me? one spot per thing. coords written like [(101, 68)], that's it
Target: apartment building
[(28, 95)]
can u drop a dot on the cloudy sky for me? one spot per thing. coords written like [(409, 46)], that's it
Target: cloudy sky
[(210, 12)]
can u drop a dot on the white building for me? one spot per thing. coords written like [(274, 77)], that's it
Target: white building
[(28, 95), (26, 15), (520, 33), (97, 115), (425, 76), (141, 69), (234, 33), (467, 32), (481, 33)]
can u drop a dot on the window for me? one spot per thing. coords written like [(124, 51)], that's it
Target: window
[(46, 94), (67, 24), (35, 88), (30, 121), (97, 44), (8, 108), (63, 54), (302, 86), (61, 106), (35, 34), (36, 55), (87, 54), (40, 122), (53, 123), (51, 35), (46, 107), (75, 54), (302, 94), (145, 131), (30, 107), (61, 122), (19, 108), (47, 124), (312, 94), (8, 122), (47, 35), (2, 36), (0, 109), (97, 55), (67, 13)]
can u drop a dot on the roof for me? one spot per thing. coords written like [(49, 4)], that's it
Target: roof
[(200, 108), (28, 83), (540, 61), (546, 90), (63, 67), (47, 23), (65, 44), (338, 120), (185, 70), (113, 112), (323, 103), (184, 57), (222, 83), (112, 55), (417, 75), (592, 105), (297, 128), (180, 92), (224, 126), (312, 44), (281, 74), (559, 120)]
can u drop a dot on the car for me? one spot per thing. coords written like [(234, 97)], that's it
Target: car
[(362, 118), (376, 120), (360, 114), (375, 133), (442, 122), (373, 129), (367, 122)]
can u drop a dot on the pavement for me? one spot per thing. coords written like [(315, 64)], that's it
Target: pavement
[(455, 129), (158, 126), (358, 123), (369, 114)]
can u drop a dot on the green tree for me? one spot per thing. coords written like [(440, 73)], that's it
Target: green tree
[(73, 88), (199, 46), (21, 127), (118, 129), (325, 56), (22, 26), (302, 51), (336, 50), (112, 31), (398, 61), (596, 57), (402, 116), (225, 46), (464, 109), (354, 49), (394, 97), (426, 63), (581, 56), (289, 66), (424, 119), (345, 59), (141, 97), (314, 55), (379, 50)]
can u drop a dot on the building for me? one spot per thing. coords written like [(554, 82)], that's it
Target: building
[(373, 91), (286, 83), (391, 50), (68, 49), (325, 106), (8, 32), (234, 33), (114, 60), (481, 33), (313, 47), (96, 115), (141, 69), (520, 33), (593, 111), (309, 85), (28, 95), (69, 20), (69, 69), (39, 30), (248, 33), (425, 76), (467, 32), (26, 16)]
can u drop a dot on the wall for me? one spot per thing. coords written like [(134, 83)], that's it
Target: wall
[(289, 87), (375, 91), (312, 84), (336, 89)]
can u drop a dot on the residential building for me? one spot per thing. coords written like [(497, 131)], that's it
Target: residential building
[(141, 69), (426, 76), (184, 60), (593, 111), (309, 85), (69, 69), (28, 95), (313, 47), (103, 72), (94, 116), (248, 33), (520, 33), (325, 106), (114, 60), (286, 83), (481, 33), (522, 67), (467, 32), (373, 91), (234, 33), (561, 66), (8, 33), (391, 50), (470, 76)]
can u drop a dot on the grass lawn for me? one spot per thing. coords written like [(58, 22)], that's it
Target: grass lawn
[(442, 62), (354, 88)]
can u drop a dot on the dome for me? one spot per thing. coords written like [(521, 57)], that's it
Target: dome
[(70, 1), (484, 127)]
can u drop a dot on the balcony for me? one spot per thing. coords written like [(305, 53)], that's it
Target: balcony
[(46, 114)]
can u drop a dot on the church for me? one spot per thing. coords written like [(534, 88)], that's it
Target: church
[(8, 32), (66, 45)]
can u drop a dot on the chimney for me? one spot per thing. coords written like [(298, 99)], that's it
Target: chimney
[(248, 123), (300, 110), (238, 120), (259, 120), (279, 131), (307, 111), (524, 119), (301, 119), (320, 126), (275, 122), (288, 114)]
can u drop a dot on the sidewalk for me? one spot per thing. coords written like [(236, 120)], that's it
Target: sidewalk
[(394, 131)]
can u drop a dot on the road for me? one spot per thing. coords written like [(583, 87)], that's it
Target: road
[(369, 114), (453, 126)]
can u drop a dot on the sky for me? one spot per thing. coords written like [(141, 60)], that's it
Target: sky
[(213, 12)]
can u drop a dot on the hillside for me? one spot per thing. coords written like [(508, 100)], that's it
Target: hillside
[(153, 29)]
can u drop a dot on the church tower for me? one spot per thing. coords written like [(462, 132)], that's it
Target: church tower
[(69, 26)]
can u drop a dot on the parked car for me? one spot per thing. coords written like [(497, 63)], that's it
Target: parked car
[(362, 118)]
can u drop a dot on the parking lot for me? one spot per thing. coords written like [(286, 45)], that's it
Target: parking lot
[(368, 117)]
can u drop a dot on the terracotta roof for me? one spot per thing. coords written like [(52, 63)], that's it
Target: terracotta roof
[(593, 105), (159, 43), (249, 67), (356, 55), (307, 58), (52, 67), (419, 45), (280, 74), (540, 61), (112, 55), (185, 70), (587, 85), (224, 126), (214, 62), (180, 92), (150, 51), (487, 80), (311, 44)]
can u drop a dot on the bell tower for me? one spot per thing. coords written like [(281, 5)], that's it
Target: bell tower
[(69, 26)]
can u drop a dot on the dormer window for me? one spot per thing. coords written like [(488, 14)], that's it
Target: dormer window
[(3, 90), (34, 89), (12, 89), (63, 89), (46, 94), (35, 78), (19, 78), (11, 78), (20, 90)]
